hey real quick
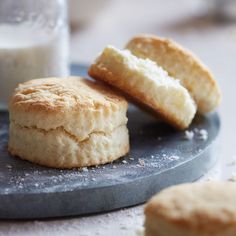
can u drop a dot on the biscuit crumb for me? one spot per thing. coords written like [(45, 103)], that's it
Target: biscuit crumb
[(9, 166), (203, 134), (188, 135), (85, 169)]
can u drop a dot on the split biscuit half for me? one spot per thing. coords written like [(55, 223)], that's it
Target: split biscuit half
[(147, 84)]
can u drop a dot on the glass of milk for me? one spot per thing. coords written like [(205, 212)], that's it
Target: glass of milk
[(34, 42)]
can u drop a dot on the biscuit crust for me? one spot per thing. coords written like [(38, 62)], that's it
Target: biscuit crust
[(67, 122), (193, 209), (182, 65)]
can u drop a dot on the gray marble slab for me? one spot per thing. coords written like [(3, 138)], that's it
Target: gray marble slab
[(159, 157)]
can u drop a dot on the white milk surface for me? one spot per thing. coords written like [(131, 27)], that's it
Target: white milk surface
[(28, 53)]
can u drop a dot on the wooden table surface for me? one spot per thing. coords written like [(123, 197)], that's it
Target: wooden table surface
[(184, 21)]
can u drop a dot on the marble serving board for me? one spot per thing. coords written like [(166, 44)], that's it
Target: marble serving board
[(159, 157)]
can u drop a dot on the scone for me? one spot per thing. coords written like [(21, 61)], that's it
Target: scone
[(199, 209), (147, 84), (67, 122), (182, 65)]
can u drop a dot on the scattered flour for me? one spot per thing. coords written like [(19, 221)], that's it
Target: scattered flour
[(141, 162), (85, 169), (174, 158), (171, 158)]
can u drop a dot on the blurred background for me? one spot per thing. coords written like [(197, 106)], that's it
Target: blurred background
[(197, 24)]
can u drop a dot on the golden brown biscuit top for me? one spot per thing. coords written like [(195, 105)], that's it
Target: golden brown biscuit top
[(183, 65), (198, 205), (64, 93)]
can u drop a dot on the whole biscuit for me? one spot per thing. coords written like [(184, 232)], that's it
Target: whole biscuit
[(204, 209), (67, 122)]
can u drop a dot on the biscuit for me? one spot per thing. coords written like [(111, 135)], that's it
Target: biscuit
[(147, 84), (204, 209), (182, 65), (67, 122)]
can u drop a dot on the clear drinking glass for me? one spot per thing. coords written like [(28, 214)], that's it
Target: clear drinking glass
[(34, 42)]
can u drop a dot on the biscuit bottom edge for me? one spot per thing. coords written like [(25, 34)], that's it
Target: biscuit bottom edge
[(58, 150)]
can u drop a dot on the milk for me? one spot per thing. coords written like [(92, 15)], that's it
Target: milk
[(29, 53)]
